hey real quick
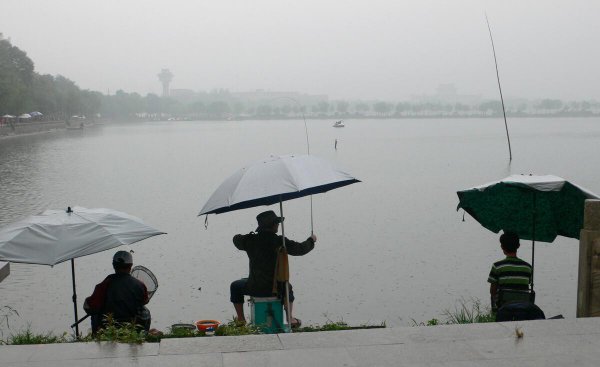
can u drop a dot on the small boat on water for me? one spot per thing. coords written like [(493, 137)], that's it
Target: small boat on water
[(339, 123)]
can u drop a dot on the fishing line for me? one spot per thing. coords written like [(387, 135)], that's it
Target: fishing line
[(499, 88), (301, 108)]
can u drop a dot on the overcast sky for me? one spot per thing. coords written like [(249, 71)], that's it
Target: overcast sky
[(372, 49)]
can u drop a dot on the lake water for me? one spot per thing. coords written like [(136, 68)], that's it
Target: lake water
[(392, 248)]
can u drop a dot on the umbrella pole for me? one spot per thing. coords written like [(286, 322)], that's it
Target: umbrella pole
[(311, 217), (532, 261), (533, 239), (288, 313), (74, 297)]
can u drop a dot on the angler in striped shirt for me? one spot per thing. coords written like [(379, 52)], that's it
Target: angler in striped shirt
[(510, 273)]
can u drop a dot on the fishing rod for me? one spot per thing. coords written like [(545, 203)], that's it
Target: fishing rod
[(499, 88), (301, 108)]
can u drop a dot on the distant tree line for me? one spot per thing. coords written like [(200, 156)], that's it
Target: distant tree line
[(23, 90)]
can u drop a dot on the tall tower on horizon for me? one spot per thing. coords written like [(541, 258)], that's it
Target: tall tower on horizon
[(165, 78)]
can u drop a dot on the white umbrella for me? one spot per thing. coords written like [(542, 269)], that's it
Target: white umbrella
[(58, 235), (36, 113), (8, 117), (25, 116), (275, 180)]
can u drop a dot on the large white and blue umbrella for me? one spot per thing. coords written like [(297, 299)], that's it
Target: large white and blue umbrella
[(56, 236), (274, 180)]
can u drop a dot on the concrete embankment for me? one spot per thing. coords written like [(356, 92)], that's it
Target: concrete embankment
[(528, 343), (22, 128)]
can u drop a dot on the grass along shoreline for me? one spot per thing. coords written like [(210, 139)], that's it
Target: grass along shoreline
[(465, 311), (129, 333)]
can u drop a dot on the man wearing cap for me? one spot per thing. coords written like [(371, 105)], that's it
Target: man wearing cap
[(262, 248), (119, 295)]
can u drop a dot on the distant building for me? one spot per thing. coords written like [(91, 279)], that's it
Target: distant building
[(165, 78)]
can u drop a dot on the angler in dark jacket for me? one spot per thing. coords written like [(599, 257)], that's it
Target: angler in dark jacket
[(119, 295), (262, 248)]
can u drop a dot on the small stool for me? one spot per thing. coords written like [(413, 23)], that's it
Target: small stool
[(267, 314)]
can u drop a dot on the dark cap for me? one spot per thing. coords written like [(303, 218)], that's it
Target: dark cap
[(267, 219), (122, 258)]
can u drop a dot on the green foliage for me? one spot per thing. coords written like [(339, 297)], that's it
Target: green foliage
[(27, 337), (433, 322), (235, 328), (16, 77), (466, 312), (116, 332), (469, 312), (131, 333)]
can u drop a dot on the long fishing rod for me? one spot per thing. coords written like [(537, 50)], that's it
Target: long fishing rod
[(301, 108), (499, 88)]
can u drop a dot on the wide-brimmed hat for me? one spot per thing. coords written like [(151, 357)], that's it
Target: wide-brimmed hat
[(267, 219)]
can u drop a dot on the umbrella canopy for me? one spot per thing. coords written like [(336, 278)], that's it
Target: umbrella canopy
[(276, 179), (56, 235), (36, 113), (25, 116), (8, 117), (534, 207)]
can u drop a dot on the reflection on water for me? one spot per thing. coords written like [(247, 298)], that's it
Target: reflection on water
[(392, 248)]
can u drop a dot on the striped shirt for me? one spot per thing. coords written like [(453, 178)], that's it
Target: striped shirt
[(511, 273)]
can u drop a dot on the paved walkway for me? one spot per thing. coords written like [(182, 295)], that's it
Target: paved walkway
[(543, 343)]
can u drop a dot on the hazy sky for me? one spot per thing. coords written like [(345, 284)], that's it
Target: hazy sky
[(372, 49)]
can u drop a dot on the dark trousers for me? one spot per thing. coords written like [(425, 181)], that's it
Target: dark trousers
[(239, 289)]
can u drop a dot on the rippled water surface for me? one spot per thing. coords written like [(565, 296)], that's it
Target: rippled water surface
[(392, 248)]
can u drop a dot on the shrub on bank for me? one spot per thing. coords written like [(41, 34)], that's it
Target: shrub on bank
[(130, 333), (466, 312)]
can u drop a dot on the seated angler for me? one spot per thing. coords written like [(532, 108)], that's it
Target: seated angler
[(510, 273), (120, 295), (262, 249)]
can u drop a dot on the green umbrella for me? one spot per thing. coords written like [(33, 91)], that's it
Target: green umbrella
[(536, 208)]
